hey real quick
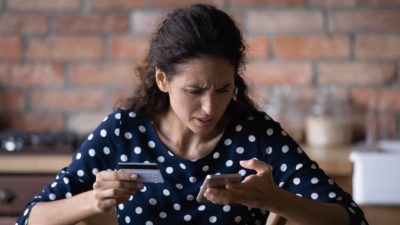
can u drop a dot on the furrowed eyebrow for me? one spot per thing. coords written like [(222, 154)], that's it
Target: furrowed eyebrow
[(202, 88), (225, 86), (195, 87)]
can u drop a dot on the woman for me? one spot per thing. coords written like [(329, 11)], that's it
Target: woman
[(192, 116)]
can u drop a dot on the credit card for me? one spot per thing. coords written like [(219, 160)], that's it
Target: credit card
[(147, 172)]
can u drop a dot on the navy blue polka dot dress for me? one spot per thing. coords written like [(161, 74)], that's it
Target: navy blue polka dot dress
[(127, 137)]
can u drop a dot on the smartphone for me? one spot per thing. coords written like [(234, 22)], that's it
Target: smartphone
[(147, 172), (216, 181)]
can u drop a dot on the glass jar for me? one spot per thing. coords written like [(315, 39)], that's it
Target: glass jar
[(328, 122), (284, 107)]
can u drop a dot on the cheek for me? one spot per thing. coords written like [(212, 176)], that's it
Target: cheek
[(183, 105), (183, 101)]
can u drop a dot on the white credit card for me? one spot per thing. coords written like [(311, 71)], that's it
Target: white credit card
[(147, 172)]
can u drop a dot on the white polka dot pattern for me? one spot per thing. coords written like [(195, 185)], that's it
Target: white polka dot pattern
[(129, 137)]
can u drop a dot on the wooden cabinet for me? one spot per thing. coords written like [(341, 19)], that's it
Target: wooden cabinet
[(21, 178), (18, 189)]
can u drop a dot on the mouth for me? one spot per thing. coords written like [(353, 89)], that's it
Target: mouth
[(204, 121)]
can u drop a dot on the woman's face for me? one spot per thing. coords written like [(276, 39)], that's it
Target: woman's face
[(200, 92)]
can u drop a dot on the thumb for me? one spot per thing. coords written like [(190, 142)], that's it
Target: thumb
[(255, 164)]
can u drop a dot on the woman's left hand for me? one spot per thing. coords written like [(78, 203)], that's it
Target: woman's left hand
[(256, 191)]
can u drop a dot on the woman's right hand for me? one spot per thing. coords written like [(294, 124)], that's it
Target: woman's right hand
[(114, 187)]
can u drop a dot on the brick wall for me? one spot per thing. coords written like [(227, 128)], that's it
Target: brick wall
[(63, 64)]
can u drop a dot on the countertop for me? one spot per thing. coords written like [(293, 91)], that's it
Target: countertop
[(334, 162), (24, 163)]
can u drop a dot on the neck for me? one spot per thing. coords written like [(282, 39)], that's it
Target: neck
[(182, 141)]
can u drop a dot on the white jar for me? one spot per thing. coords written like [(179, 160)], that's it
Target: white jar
[(329, 120)]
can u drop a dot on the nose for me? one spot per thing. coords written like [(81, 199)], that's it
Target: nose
[(207, 103)]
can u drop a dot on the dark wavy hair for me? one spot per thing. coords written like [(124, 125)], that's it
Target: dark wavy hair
[(188, 33)]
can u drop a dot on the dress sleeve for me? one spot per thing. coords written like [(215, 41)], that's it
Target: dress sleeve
[(94, 155), (295, 172)]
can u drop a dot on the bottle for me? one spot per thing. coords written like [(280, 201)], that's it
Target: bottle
[(371, 124)]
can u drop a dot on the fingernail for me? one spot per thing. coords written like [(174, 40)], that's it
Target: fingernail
[(134, 177)]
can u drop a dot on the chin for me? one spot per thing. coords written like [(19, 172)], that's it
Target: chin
[(202, 130)]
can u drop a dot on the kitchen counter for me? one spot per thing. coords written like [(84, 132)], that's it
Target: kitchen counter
[(33, 164), (334, 161)]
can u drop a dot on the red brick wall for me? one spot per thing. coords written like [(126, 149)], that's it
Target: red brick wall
[(63, 64)]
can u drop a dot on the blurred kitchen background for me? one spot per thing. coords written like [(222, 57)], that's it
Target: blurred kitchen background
[(328, 70)]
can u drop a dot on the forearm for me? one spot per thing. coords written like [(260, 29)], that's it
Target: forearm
[(63, 212), (308, 212)]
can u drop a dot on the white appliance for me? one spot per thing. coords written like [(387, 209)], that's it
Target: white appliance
[(376, 174)]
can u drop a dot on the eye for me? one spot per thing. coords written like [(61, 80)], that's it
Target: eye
[(224, 90), (194, 91)]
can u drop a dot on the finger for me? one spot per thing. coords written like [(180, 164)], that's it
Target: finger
[(244, 196), (115, 193), (103, 185), (255, 164), (238, 186), (218, 195), (240, 192), (224, 196), (106, 204), (123, 200), (116, 175), (110, 198)]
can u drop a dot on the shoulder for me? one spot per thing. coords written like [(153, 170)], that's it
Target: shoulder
[(256, 128), (262, 130), (120, 121), (123, 116), (255, 121)]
